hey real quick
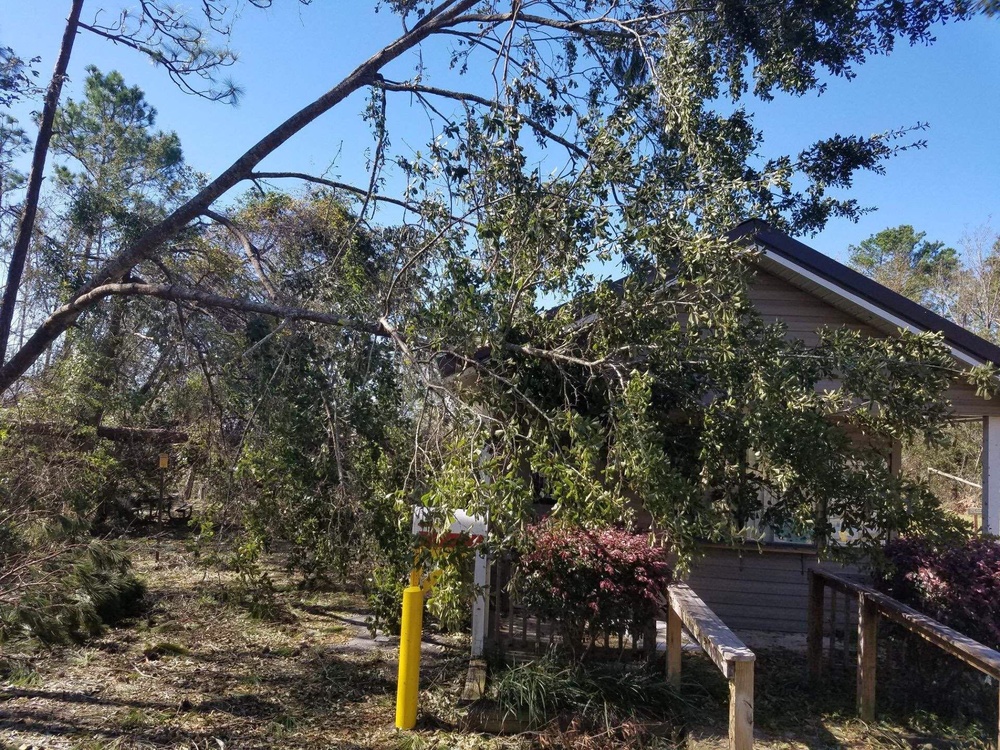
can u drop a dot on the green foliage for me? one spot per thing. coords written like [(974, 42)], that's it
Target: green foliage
[(450, 599), (664, 397), (384, 593), (70, 595), (19, 675), (253, 589), (115, 174), (322, 416), (16, 76), (675, 399), (960, 289)]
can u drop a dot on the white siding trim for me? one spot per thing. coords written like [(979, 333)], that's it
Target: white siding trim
[(480, 607)]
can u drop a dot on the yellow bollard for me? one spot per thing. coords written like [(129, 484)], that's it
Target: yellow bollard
[(411, 629), (409, 653)]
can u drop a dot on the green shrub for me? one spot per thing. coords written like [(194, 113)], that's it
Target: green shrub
[(253, 589), (384, 592), (450, 599)]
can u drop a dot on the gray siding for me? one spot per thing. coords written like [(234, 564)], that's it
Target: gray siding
[(751, 589), (778, 301)]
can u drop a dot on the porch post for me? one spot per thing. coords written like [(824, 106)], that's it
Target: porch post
[(475, 679), (481, 580), (991, 475)]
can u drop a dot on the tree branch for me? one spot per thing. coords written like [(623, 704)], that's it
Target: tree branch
[(150, 242), (180, 293), (249, 249), (346, 187), (461, 96)]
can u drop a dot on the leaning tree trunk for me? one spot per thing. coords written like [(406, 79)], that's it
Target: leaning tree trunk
[(26, 224)]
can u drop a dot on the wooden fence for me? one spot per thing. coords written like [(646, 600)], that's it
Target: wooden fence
[(513, 629), (685, 610), (871, 605)]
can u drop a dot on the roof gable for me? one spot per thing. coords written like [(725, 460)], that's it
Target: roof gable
[(857, 294)]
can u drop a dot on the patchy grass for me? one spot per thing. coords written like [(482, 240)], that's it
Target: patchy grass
[(197, 671), (20, 676)]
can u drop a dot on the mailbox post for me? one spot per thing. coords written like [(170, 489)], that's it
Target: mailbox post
[(463, 529)]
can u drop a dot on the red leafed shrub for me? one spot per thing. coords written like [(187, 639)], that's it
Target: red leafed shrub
[(957, 583), (592, 580)]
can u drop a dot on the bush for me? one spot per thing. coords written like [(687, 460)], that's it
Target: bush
[(590, 581), (450, 599), (957, 583), (384, 592)]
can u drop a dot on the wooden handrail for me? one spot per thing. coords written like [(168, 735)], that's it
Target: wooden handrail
[(686, 609), (972, 652), (871, 605), (712, 634)]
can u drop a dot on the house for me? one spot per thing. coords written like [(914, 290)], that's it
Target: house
[(765, 585)]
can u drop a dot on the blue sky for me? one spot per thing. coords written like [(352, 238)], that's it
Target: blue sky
[(290, 54)]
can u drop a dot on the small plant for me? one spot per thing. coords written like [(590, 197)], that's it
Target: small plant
[(608, 700), (159, 650), (84, 658), (282, 726), (19, 675), (384, 592), (253, 588), (590, 581), (135, 718)]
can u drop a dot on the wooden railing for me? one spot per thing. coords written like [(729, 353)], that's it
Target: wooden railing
[(873, 604), (686, 610)]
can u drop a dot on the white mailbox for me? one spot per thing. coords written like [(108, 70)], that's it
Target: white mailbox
[(462, 525)]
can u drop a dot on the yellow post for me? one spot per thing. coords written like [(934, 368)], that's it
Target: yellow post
[(409, 653)]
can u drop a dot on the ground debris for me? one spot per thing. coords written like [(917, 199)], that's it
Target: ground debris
[(197, 673)]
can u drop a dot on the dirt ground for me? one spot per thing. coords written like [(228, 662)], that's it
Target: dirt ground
[(199, 673)]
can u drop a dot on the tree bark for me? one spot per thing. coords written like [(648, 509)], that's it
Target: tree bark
[(26, 224)]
